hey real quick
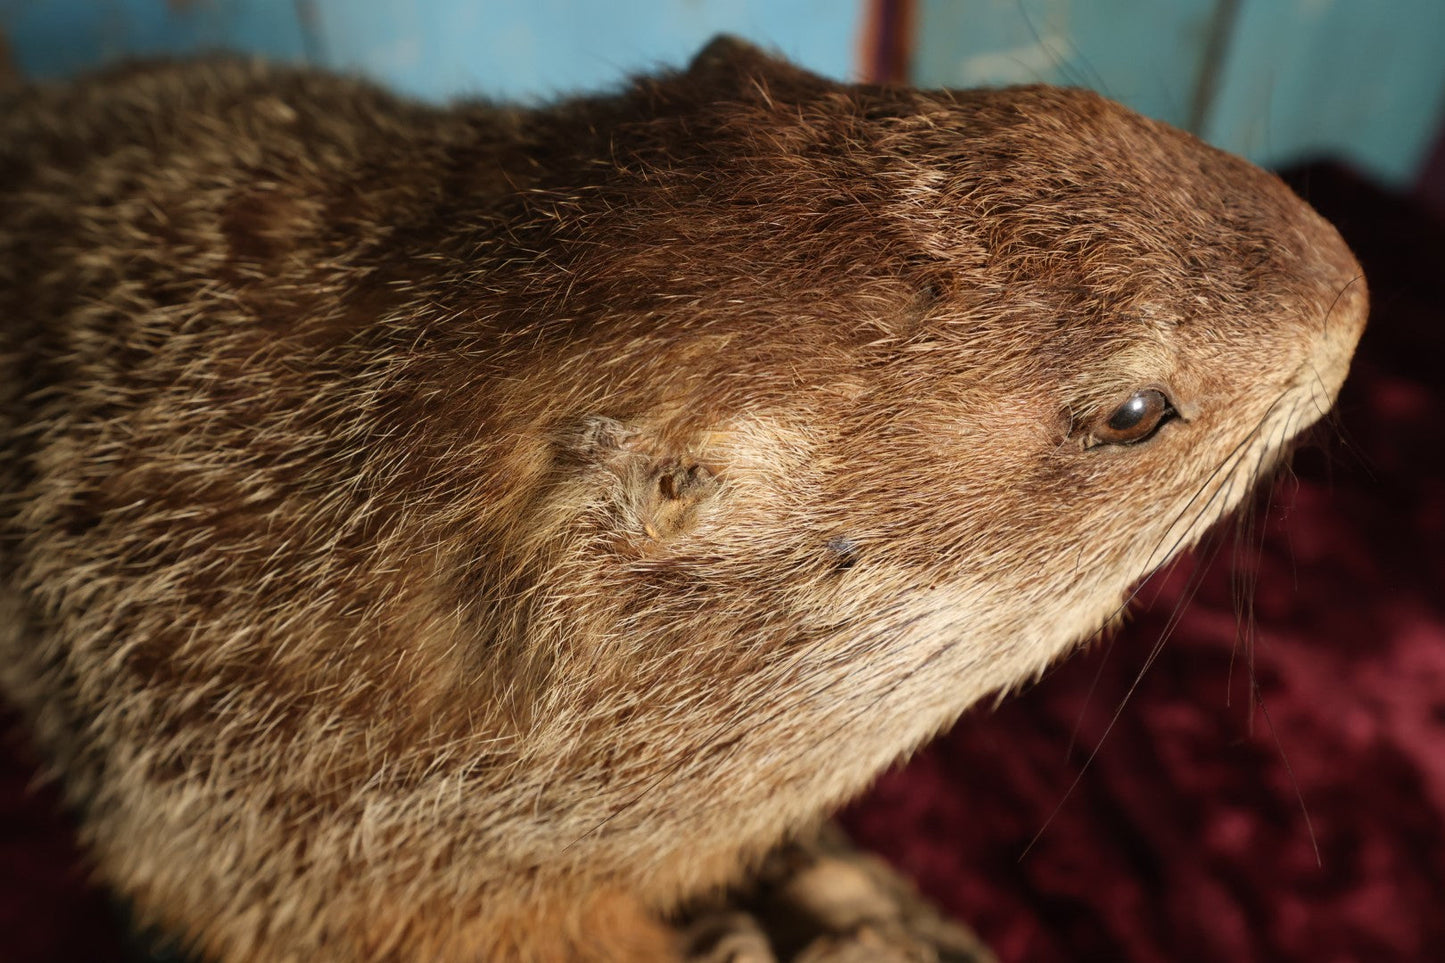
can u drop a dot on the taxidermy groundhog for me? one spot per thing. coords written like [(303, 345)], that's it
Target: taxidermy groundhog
[(472, 533)]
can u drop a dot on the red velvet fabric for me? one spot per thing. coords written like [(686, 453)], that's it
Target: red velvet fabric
[(1194, 833)]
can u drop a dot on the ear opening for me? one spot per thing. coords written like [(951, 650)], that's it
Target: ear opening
[(657, 489)]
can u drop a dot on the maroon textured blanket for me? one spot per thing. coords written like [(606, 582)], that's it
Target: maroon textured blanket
[(1194, 833)]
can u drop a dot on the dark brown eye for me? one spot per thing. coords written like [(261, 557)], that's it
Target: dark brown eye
[(1135, 420)]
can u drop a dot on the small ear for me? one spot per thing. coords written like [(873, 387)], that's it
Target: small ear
[(655, 490), (726, 55), (670, 498)]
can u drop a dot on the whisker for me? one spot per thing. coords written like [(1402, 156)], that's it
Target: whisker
[(1244, 578), (1293, 780), (1229, 464), (1086, 75), (1089, 696), (1226, 464), (1330, 311), (1196, 578), (1099, 671)]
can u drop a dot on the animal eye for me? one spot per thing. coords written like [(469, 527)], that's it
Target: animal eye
[(1136, 420)]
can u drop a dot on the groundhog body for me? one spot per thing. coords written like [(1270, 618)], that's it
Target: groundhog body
[(441, 534)]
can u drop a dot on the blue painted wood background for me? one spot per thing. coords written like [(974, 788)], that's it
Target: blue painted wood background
[(1276, 80), (528, 49)]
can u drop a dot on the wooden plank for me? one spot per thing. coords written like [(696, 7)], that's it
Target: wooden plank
[(60, 38), (1352, 78), (433, 48), (1359, 80), (1356, 79), (527, 49), (1150, 56)]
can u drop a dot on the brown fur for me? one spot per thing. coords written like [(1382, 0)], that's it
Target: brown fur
[(464, 534)]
